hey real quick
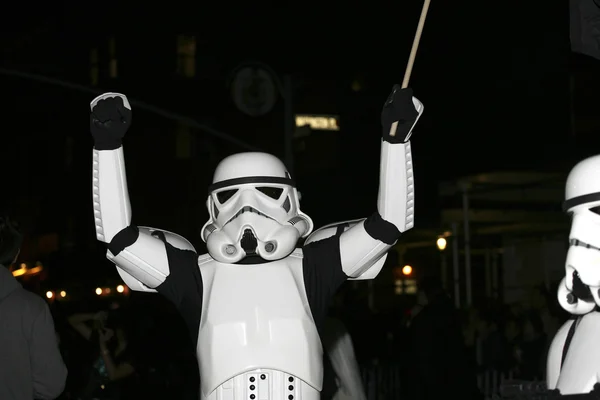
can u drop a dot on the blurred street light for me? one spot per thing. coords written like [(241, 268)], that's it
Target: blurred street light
[(49, 294), (407, 270), (120, 289), (441, 244), (98, 291)]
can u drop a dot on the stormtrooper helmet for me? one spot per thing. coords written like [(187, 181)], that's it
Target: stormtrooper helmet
[(254, 209), (578, 291)]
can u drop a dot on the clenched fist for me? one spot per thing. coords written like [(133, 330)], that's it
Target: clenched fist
[(109, 120), (399, 115)]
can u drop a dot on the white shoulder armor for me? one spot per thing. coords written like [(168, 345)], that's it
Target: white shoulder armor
[(579, 371), (144, 265), (555, 352), (339, 227)]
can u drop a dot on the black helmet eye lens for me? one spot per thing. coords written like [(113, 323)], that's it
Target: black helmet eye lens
[(595, 210), (272, 192), (225, 195)]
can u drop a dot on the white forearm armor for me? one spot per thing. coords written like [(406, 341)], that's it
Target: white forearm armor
[(140, 257), (112, 211)]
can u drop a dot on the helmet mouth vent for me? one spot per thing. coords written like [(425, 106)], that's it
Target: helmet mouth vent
[(580, 289), (249, 242)]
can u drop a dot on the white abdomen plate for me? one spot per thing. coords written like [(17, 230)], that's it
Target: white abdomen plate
[(256, 320)]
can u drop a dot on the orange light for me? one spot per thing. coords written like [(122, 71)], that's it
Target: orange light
[(107, 290), (34, 270), (407, 270), (49, 294), (98, 291), (63, 293)]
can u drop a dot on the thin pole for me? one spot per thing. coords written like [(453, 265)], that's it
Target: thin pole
[(444, 270), (413, 55), (290, 122), (495, 275), (488, 273), (455, 265), (415, 45), (467, 233)]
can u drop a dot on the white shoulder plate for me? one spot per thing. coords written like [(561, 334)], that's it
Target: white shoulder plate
[(554, 361), (579, 372), (332, 229)]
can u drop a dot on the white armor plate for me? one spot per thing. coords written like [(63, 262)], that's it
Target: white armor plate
[(274, 335), (581, 368)]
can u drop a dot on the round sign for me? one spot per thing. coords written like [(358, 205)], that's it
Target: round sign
[(254, 91)]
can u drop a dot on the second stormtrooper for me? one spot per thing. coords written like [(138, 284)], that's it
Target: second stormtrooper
[(573, 365)]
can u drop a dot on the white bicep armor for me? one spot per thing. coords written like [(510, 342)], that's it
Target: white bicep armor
[(337, 228), (142, 265), (360, 248)]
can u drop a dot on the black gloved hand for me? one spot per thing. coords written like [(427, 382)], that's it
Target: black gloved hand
[(399, 107), (109, 121)]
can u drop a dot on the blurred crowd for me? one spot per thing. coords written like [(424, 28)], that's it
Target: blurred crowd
[(513, 340), (139, 347), (133, 349)]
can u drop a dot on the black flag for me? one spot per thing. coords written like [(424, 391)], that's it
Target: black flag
[(585, 27)]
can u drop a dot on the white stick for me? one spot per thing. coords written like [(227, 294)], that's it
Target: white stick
[(415, 46)]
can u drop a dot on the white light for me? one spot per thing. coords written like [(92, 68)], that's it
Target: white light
[(407, 270), (441, 243), (98, 291), (49, 294), (63, 293), (120, 289)]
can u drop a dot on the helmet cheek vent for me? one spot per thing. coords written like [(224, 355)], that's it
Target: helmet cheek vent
[(287, 205)]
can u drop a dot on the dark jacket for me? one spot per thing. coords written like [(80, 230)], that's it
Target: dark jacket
[(31, 366)]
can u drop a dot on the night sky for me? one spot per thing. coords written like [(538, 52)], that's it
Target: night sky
[(494, 78)]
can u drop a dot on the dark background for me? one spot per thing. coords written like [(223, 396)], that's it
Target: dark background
[(501, 88)]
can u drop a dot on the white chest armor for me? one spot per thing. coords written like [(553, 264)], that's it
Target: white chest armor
[(257, 337), (581, 368)]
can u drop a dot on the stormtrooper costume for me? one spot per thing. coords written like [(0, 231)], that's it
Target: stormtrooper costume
[(254, 303), (573, 365)]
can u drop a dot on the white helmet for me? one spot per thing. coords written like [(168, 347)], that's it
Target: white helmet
[(578, 292), (254, 208)]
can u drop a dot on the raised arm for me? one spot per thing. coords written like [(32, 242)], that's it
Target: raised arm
[(364, 244), (140, 254)]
